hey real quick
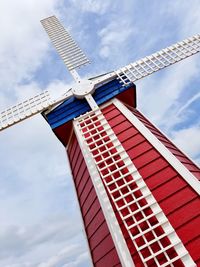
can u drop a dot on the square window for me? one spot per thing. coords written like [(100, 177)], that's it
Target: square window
[(165, 242), (112, 187), (144, 226), (139, 216), (171, 253), (105, 172), (153, 221), (132, 185), (133, 207), (120, 182), (151, 263), (162, 259), (108, 179), (147, 211), (130, 221), (125, 211), (116, 175), (159, 231), (129, 198), (128, 178), (94, 131), (120, 163), (155, 247), (120, 203), (178, 263), (116, 194), (145, 252), (138, 193), (134, 231), (98, 158), (142, 202), (140, 241), (125, 190), (149, 236)]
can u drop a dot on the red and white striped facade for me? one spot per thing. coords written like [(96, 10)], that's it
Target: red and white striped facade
[(138, 193)]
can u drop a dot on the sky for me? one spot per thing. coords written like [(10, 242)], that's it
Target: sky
[(40, 224)]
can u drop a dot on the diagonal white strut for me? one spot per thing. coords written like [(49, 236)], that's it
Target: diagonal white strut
[(159, 60), (155, 62), (29, 108), (65, 45)]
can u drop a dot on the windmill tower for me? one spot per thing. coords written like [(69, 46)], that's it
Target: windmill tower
[(138, 193)]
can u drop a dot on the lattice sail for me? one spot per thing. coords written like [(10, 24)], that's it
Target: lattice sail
[(24, 110), (159, 60), (140, 213), (66, 47)]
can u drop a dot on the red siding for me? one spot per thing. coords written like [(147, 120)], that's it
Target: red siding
[(179, 154), (101, 244), (178, 200)]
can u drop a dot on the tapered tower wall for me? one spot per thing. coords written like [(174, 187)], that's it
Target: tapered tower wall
[(100, 242), (175, 195), (179, 201)]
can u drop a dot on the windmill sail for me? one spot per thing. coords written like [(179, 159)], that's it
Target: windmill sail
[(133, 185), (24, 110), (159, 60), (29, 108), (66, 47)]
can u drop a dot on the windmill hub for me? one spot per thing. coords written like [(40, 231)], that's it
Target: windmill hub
[(83, 88)]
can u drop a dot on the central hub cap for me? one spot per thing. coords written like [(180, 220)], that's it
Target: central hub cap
[(82, 88)]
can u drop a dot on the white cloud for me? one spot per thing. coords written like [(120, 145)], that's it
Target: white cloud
[(23, 43), (35, 186), (41, 241), (161, 101), (188, 103), (72, 256), (114, 38), (161, 96), (188, 140), (93, 6)]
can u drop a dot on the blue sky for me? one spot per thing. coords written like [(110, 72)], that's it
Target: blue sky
[(39, 224)]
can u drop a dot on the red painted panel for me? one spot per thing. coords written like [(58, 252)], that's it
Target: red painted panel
[(86, 202), (161, 177), (90, 215), (101, 233), (176, 198), (107, 245), (190, 230), (100, 241), (178, 217), (107, 260), (194, 246), (168, 189), (180, 198), (95, 224), (192, 167)]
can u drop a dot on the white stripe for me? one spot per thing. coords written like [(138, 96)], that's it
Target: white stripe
[(166, 153), (117, 236)]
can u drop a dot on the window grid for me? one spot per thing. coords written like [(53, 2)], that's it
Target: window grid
[(24, 109), (143, 218), (159, 60), (66, 47)]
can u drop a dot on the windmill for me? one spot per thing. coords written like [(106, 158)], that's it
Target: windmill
[(138, 193)]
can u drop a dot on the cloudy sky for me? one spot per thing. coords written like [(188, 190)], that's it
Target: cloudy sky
[(39, 219)]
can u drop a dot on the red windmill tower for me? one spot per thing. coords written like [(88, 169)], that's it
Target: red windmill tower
[(138, 193)]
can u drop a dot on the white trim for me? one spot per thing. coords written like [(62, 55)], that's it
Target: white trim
[(167, 154), (183, 152), (117, 236), (80, 214), (87, 131)]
